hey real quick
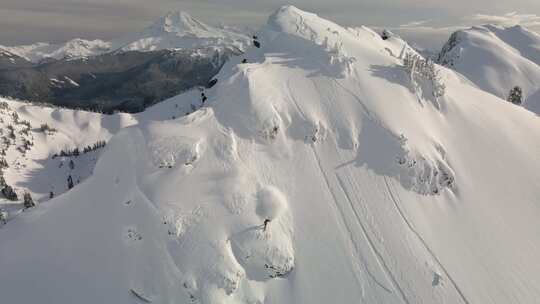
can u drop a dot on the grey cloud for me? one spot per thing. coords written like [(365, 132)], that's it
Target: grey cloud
[(26, 21)]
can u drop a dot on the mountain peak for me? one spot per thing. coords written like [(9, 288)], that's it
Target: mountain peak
[(287, 14), (178, 22)]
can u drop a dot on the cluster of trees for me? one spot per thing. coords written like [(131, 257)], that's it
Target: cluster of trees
[(76, 152), (97, 145), (11, 132), (417, 66), (256, 42), (3, 163), (26, 145), (6, 189), (45, 128)]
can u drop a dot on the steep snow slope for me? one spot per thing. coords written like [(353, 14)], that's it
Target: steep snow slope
[(30, 149), (174, 30), (376, 191), (496, 58), (35, 170), (33, 154)]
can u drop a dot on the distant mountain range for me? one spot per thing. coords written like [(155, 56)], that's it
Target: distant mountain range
[(175, 30), (172, 55)]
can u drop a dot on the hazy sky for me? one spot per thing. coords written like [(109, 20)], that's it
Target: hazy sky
[(425, 21)]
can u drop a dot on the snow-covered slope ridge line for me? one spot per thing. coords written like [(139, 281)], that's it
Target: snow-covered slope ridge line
[(496, 58), (320, 170), (174, 30)]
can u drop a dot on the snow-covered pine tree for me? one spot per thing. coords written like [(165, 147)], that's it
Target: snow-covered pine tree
[(425, 69), (516, 95), (385, 35), (70, 182), (3, 217), (28, 201), (9, 193)]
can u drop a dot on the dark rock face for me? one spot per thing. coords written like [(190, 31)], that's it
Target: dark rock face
[(446, 56), (125, 81)]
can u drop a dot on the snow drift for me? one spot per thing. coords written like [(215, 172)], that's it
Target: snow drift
[(327, 129)]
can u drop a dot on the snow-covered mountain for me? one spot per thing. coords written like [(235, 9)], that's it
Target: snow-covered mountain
[(496, 59), (174, 30), (384, 179), (177, 29), (74, 48)]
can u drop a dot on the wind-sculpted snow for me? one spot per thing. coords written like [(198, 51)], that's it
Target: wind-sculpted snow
[(293, 183), (389, 155), (496, 58)]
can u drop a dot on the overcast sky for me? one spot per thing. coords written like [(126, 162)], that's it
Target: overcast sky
[(426, 21)]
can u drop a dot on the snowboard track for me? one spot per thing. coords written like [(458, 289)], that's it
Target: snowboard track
[(422, 241)]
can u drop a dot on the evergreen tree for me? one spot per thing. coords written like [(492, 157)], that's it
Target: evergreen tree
[(385, 35), (516, 95), (9, 193), (70, 182), (3, 217), (28, 201)]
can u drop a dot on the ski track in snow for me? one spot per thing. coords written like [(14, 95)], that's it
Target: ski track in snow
[(343, 222), (421, 239), (372, 246)]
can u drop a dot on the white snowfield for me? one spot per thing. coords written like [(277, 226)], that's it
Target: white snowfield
[(175, 30), (497, 58), (376, 191)]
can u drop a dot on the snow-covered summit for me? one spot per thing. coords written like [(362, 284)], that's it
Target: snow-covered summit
[(496, 58), (180, 23), (320, 168), (177, 29)]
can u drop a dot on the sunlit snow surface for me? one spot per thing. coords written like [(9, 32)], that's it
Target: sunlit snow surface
[(321, 132)]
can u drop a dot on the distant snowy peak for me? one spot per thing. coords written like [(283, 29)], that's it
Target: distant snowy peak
[(179, 22), (495, 58), (177, 30)]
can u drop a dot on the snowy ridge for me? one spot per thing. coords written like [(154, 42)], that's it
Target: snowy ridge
[(323, 132), (496, 58), (75, 48)]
